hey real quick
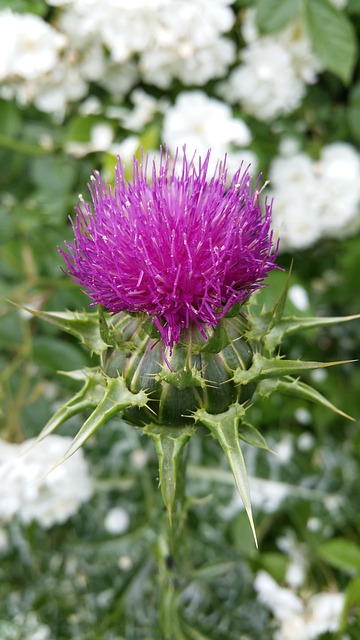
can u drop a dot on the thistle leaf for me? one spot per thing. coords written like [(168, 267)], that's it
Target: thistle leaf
[(87, 398), (169, 443), (294, 387), (84, 326), (277, 312), (224, 428), (252, 436), (116, 397), (263, 367), (288, 326), (106, 331)]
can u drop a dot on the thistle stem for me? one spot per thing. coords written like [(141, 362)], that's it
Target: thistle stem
[(171, 551)]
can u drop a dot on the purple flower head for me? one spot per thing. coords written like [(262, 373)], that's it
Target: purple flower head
[(181, 247)]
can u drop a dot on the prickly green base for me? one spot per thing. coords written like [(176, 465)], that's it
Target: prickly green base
[(208, 382)]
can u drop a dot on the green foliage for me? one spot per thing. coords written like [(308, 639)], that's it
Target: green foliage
[(353, 112), (273, 15), (301, 452), (331, 32), (332, 36), (24, 6), (342, 554)]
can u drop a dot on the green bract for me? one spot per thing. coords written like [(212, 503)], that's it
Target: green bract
[(202, 382)]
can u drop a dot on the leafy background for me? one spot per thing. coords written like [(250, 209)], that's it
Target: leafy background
[(77, 580)]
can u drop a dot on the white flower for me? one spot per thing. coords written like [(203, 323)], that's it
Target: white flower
[(181, 38), (117, 521), (298, 619), (283, 603), (65, 84), (190, 64), (338, 171), (201, 123), (119, 79), (315, 199), (299, 297), (265, 84), (306, 440), (322, 613), (144, 108), (29, 47), (26, 490), (274, 71), (284, 449)]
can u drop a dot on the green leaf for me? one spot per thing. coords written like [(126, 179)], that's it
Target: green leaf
[(261, 323), (274, 563), (288, 326), (87, 398), (252, 436), (332, 36), (224, 428), (277, 312), (79, 128), (27, 6), (84, 326), (54, 175), (341, 554), (273, 15), (294, 387), (169, 443), (263, 367), (10, 118), (353, 112), (106, 331), (116, 397), (352, 600), (217, 341), (353, 6)]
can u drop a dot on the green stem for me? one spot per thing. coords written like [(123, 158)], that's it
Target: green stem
[(23, 147), (171, 550)]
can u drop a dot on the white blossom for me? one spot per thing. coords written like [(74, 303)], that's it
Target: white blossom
[(283, 603), (142, 112), (306, 440), (116, 521), (29, 46), (274, 71), (201, 122), (298, 618), (119, 79), (65, 84), (338, 171), (30, 492), (299, 297), (315, 199), (322, 613), (181, 38)]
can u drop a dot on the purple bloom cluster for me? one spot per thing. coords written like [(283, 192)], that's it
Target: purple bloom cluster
[(181, 247)]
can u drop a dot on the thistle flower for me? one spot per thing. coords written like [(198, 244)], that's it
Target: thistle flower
[(180, 250), (183, 249)]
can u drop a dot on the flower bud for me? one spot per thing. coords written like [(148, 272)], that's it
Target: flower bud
[(198, 373)]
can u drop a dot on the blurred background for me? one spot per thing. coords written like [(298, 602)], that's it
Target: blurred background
[(274, 83)]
